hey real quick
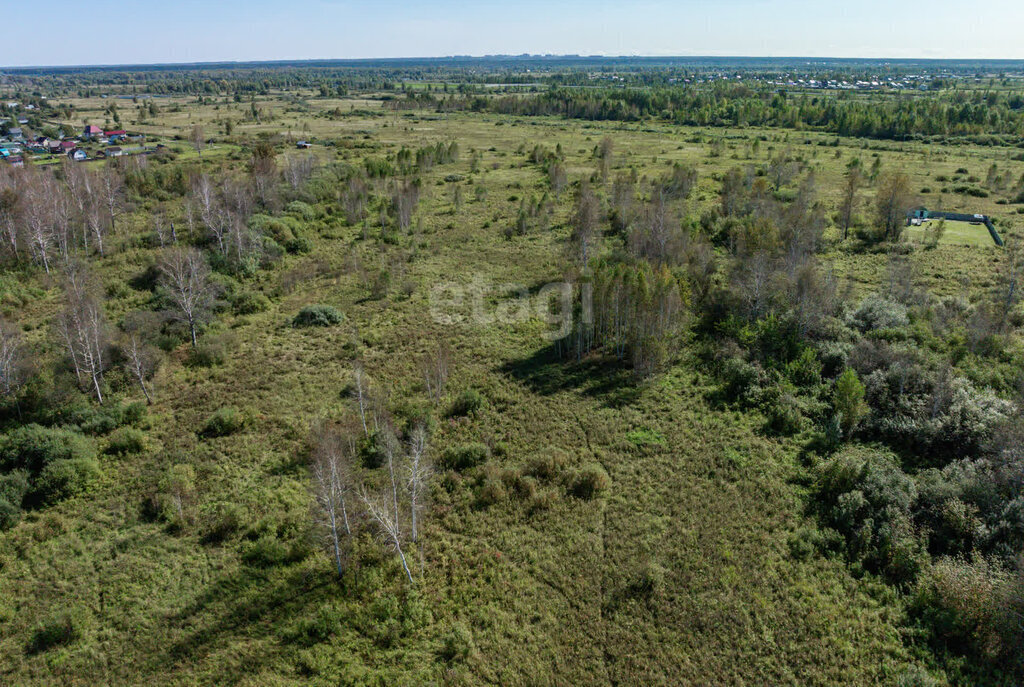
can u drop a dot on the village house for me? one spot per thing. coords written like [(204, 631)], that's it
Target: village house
[(114, 152), (115, 135), (14, 134), (77, 154), (91, 131)]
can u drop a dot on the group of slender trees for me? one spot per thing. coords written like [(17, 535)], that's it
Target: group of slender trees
[(49, 218), (387, 500)]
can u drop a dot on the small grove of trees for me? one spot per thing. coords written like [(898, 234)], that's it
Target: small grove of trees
[(634, 313), (348, 498), (585, 219), (892, 202), (46, 218), (405, 196), (853, 180)]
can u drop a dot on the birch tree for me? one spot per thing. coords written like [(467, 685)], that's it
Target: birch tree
[(584, 223), (360, 393), (197, 138), (37, 218), (389, 530), (419, 471), (140, 357), (185, 278), (111, 186), (333, 473), (211, 212), (852, 181), (82, 326), (9, 216), (392, 450), (12, 361), (435, 371)]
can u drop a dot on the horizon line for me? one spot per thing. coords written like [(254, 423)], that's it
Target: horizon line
[(507, 56)]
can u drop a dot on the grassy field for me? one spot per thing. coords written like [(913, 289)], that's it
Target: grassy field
[(680, 573)]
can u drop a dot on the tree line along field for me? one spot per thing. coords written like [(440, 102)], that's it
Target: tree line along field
[(705, 498)]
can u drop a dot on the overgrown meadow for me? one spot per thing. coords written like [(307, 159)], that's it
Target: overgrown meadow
[(776, 443)]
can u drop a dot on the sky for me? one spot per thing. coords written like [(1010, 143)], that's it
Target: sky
[(143, 32)]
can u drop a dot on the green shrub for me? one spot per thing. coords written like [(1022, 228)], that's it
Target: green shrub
[(223, 422), (492, 491), (783, 416), (877, 312), (222, 520), (33, 447), (468, 402), (464, 457), (457, 645), (649, 582), (63, 628), (975, 605), (741, 379), (10, 514), (302, 210), (299, 246), (589, 482), (805, 371), (547, 466), (848, 401), (65, 478), (125, 441), (868, 499), (804, 542), (209, 353), (95, 421), (266, 552), (250, 303), (13, 486), (414, 412), (134, 413), (318, 316)]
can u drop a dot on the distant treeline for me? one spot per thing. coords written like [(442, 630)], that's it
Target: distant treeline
[(869, 115)]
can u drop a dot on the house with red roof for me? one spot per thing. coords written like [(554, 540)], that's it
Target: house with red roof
[(115, 135), (92, 131)]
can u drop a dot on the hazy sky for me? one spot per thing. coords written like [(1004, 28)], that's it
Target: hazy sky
[(133, 31)]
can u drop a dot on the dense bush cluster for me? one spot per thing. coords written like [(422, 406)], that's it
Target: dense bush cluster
[(318, 316), (909, 402)]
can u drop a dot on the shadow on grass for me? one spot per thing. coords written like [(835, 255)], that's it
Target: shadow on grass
[(545, 372), (250, 603)]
